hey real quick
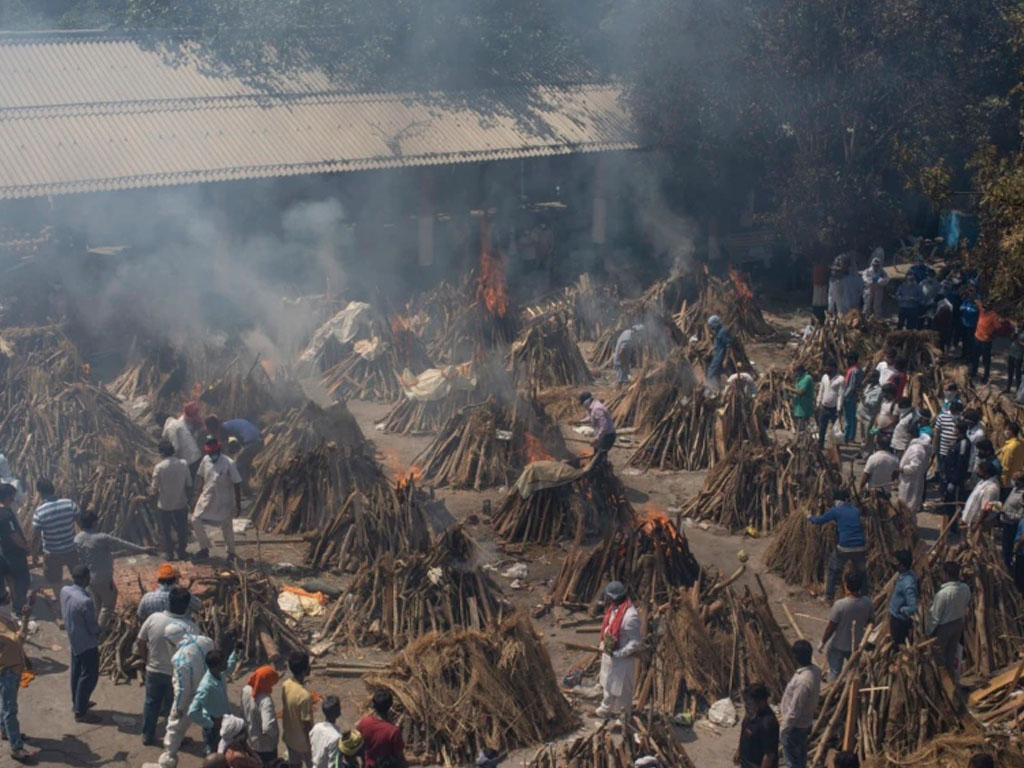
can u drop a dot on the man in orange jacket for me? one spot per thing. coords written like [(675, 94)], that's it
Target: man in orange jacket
[(989, 322)]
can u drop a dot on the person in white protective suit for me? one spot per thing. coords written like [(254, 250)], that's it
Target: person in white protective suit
[(189, 663), (914, 470), (875, 279), (621, 640)]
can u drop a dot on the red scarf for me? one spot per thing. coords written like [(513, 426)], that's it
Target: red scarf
[(613, 617)]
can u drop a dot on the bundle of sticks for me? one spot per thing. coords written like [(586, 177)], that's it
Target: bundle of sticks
[(956, 751), (561, 404), (594, 502), (117, 647), (995, 621), (64, 431), (313, 462), (241, 606), (695, 431), (460, 691), (488, 444), (838, 337), (998, 702), (773, 404), (368, 369), (732, 300), (752, 486), (601, 749), (360, 529), (666, 297), (161, 378), (249, 392), (800, 551), (652, 556), (887, 704), (418, 417), (431, 314), (474, 331), (651, 344), (546, 355), (594, 307), (119, 495), (712, 642), (394, 600), (642, 404), (684, 437)]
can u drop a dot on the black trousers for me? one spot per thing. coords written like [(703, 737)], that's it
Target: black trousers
[(1014, 366), (981, 352), (174, 524), (899, 630), (85, 673), (825, 418)]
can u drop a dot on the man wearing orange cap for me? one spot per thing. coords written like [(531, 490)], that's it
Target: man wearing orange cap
[(182, 432), (159, 599), (258, 712), (219, 498)]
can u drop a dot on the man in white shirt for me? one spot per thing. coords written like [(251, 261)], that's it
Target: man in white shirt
[(985, 493), (975, 433), (171, 485), (830, 390), (913, 470), (323, 737), (901, 436), (181, 432), (881, 470), (153, 646), (948, 612), (219, 498), (798, 706)]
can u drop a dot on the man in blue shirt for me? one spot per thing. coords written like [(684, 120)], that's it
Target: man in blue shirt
[(79, 614), (246, 433), (721, 340), (852, 546), (903, 603)]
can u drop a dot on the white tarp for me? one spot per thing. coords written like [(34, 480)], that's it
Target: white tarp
[(345, 326), (437, 383)]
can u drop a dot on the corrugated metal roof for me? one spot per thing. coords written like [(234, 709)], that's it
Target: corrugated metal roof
[(85, 112)]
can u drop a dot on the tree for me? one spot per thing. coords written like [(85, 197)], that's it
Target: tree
[(840, 109)]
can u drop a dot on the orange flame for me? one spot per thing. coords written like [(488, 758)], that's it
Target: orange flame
[(535, 449), (742, 287), (652, 515), (490, 283)]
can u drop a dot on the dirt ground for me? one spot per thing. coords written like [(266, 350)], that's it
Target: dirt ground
[(45, 704)]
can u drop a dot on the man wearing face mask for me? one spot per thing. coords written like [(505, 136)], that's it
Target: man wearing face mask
[(620, 642), (218, 498)]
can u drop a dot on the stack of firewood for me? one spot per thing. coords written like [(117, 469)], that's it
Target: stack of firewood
[(594, 308), (773, 404), (712, 643), (238, 606), (361, 529), (546, 355), (460, 691), (800, 550), (601, 749), (249, 392), (695, 431), (368, 369), (887, 705), (732, 300), (393, 600), (488, 444), (161, 378), (752, 486), (313, 461), (995, 621), (652, 556), (651, 345), (643, 403), (594, 502)]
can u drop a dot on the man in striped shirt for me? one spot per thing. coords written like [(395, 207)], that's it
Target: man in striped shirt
[(54, 523), (945, 428)]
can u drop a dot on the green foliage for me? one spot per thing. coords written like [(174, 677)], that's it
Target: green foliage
[(833, 106)]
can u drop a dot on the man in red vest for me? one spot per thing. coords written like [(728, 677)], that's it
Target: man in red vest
[(620, 641)]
